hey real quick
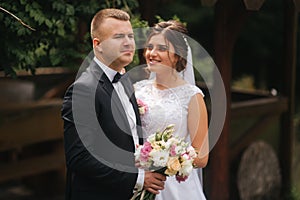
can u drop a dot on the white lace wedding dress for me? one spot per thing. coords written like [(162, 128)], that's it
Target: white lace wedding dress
[(170, 106)]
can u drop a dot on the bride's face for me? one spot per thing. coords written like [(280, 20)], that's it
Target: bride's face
[(159, 55)]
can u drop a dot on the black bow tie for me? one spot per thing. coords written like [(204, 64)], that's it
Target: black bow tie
[(117, 77)]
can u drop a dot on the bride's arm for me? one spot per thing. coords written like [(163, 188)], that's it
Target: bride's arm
[(198, 128)]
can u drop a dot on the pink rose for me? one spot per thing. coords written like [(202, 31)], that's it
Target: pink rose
[(147, 148), (142, 106), (172, 150)]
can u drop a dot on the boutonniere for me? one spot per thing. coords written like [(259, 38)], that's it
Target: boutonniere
[(142, 107)]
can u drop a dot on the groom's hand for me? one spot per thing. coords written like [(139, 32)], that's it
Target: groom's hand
[(154, 182)]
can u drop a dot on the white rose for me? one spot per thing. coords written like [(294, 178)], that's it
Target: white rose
[(159, 157), (186, 168)]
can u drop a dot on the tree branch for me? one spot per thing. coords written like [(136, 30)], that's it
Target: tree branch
[(18, 19)]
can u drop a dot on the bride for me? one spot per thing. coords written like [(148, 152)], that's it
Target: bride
[(170, 99)]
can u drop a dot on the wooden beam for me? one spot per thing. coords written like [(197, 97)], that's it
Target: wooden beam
[(259, 106), (289, 80), (30, 123), (251, 134), (42, 71), (12, 108), (58, 90), (208, 2), (253, 4), (32, 166)]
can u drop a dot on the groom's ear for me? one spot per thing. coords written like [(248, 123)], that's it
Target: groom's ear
[(97, 44)]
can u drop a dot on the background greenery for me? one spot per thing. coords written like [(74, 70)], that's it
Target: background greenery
[(62, 35), (62, 32)]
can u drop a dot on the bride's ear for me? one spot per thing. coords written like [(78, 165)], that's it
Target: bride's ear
[(178, 63), (174, 61)]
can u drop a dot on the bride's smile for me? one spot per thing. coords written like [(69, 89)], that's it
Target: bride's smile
[(159, 55)]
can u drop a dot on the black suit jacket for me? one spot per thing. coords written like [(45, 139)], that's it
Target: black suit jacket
[(98, 141)]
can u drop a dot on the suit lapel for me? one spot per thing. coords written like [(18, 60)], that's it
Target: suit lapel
[(115, 100), (130, 93), (109, 89)]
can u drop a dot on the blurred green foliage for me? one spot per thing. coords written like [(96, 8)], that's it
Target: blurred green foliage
[(60, 38), (62, 32)]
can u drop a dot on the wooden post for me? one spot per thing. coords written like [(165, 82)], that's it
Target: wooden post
[(148, 10), (253, 4), (289, 67), (208, 2), (297, 4), (229, 18)]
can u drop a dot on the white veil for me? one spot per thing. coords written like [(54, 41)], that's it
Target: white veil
[(189, 76), (188, 73)]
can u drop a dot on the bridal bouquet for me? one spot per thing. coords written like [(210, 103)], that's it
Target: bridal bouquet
[(166, 154)]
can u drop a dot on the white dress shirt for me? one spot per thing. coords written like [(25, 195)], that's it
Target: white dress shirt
[(110, 73)]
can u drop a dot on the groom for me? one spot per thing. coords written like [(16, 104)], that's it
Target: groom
[(101, 119)]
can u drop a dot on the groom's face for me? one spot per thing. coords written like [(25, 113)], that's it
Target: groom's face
[(116, 43)]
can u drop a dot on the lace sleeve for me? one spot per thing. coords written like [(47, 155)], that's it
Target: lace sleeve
[(197, 90)]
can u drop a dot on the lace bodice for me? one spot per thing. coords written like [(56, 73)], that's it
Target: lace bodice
[(168, 106)]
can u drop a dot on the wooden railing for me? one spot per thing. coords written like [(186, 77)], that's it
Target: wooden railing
[(31, 128), (267, 109), (31, 139)]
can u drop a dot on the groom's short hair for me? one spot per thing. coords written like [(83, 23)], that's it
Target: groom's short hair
[(104, 14)]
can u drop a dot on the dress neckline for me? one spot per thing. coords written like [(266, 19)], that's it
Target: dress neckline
[(171, 88), (167, 89)]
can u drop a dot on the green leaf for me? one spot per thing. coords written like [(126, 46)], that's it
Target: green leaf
[(35, 6), (23, 2), (41, 50), (70, 10), (21, 31), (48, 23), (58, 6), (54, 56), (27, 8)]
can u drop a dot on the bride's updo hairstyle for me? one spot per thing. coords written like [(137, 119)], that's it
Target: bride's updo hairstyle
[(174, 33)]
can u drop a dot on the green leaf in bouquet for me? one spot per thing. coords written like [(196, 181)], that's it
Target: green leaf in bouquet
[(158, 136)]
